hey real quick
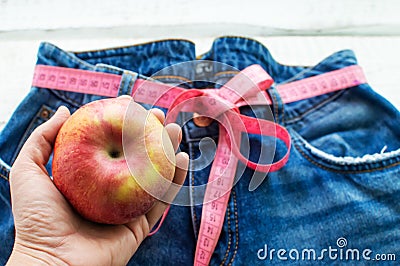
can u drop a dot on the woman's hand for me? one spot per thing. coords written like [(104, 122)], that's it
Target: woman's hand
[(49, 231)]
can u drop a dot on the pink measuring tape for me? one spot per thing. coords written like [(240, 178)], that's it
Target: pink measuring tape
[(248, 87)]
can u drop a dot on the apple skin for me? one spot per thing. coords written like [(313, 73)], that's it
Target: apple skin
[(89, 164)]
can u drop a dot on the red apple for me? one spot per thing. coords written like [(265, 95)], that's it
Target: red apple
[(112, 159)]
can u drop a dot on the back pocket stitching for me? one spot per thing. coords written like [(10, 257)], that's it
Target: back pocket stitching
[(297, 142)]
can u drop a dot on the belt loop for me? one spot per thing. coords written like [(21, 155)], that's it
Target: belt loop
[(127, 82), (277, 105)]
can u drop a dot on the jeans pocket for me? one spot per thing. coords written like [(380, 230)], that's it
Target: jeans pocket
[(45, 113), (367, 163)]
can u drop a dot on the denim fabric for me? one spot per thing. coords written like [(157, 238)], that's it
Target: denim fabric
[(342, 180)]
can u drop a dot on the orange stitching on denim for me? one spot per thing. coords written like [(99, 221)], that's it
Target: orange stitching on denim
[(3, 176), (229, 237), (236, 227), (226, 73), (5, 170), (172, 77), (341, 171)]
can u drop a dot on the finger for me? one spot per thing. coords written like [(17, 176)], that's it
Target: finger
[(174, 131), (175, 134), (126, 96), (159, 114), (182, 161), (38, 147)]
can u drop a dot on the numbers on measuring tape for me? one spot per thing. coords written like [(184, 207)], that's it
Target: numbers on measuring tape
[(203, 255), (217, 194), (220, 181), (212, 217), (214, 206), (152, 94), (334, 83), (219, 170), (62, 80), (83, 82), (210, 230), (105, 85), (73, 81), (314, 87), (206, 242)]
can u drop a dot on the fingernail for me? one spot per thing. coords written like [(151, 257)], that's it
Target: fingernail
[(184, 154), (61, 110), (125, 96)]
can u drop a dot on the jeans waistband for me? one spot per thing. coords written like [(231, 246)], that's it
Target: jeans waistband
[(146, 59), (234, 52)]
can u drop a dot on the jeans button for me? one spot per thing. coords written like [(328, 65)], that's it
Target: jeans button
[(45, 114), (201, 121)]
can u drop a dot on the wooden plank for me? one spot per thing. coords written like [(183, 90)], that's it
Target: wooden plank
[(205, 18)]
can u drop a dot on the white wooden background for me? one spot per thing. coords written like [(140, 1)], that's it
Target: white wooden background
[(296, 32)]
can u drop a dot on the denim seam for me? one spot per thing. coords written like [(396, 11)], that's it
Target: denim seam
[(341, 171), (3, 176), (236, 227), (275, 108), (64, 98), (229, 237), (129, 46), (297, 76), (226, 73), (5, 170), (315, 107), (194, 217), (59, 94), (183, 79), (221, 38), (72, 56), (308, 69)]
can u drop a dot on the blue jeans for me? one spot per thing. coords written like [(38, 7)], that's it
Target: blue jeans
[(341, 184)]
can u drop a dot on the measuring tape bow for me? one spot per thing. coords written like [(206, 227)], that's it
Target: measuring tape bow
[(248, 87)]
